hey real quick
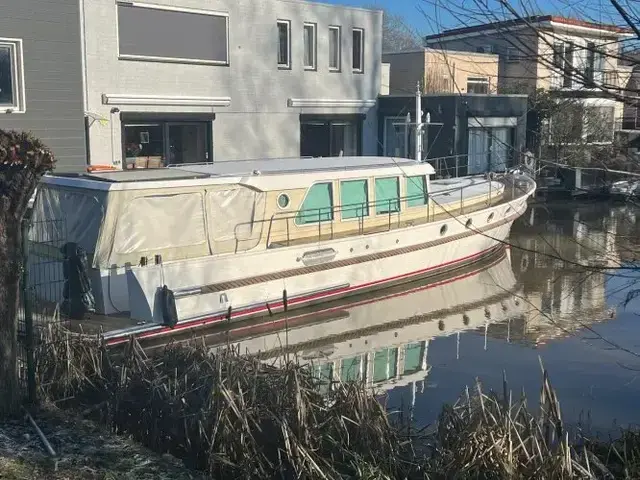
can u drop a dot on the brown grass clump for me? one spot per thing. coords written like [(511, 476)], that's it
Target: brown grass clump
[(234, 416)]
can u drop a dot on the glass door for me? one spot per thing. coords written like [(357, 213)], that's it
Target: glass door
[(187, 143), (478, 158)]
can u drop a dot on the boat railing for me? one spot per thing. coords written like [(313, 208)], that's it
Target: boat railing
[(323, 220)]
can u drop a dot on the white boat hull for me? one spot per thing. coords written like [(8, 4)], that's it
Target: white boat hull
[(256, 283)]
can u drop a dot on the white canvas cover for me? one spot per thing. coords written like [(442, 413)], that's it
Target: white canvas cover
[(234, 218), (63, 215), (152, 224)]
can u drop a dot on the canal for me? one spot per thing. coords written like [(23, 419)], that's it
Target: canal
[(561, 293)]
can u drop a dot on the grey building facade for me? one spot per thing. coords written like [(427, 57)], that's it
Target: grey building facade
[(178, 81), (468, 134), (41, 76)]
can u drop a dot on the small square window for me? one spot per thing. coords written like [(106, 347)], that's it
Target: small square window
[(310, 46), (284, 44), (358, 50), (478, 85), (513, 55), (11, 76), (334, 48)]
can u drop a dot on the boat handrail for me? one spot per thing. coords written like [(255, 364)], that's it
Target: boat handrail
[(327, 216)]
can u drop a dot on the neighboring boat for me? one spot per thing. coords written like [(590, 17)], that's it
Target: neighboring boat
[(384, 338), (183, 247)]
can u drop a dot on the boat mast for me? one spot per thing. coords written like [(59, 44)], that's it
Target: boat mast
[(418, 132)]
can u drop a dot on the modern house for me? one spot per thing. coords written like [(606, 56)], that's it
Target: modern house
[(41, 76), (468, 134), (442, 71), (178, 81), (574, 59)]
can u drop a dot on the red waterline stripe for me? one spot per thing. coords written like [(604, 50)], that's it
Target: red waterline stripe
[(296, 319), (306, 298)]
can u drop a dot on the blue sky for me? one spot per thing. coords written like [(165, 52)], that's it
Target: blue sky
[(468, 11)]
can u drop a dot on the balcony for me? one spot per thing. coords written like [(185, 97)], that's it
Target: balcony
[(615, 80)]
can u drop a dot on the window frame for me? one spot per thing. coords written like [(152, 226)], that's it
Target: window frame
[(336, 28), (287, 23), (367, 204), (298, 213), (154, 58), (361, 58), (16, 55), (314, 49), (513, 55), (478, 81)]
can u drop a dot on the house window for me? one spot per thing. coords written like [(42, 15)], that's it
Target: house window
[(563, 61), (172, 34), (484, 49), (513, 55), (387, 195), (334, 49), (354, 198), (310, 46), (284, 44), (385, 364), (413, 354), (477, 85), (594, 65), (11, 76), (358, 50), (153, 142), (330, 136), (317, 205), (416, 191)]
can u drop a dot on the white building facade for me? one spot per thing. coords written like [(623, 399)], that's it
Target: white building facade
[(183, 81)]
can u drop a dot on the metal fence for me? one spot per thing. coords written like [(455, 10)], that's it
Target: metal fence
[(41, 292)]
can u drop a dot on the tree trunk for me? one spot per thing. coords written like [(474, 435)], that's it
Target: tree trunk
[(10, 263)]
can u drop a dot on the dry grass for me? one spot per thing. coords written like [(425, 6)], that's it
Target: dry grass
[(233, 416)]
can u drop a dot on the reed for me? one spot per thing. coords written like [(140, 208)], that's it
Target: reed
[(235, 416)]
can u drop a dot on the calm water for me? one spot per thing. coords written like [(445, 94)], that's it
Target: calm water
[(423, 343)]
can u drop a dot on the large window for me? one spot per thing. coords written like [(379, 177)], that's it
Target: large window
[(387, 195), (358, 50), (11, 76), (354, 198), (385, 364), (310, 47), (156, 143), (284, 44), (477, 85), (330, 136), (334, 49), (416, 191), (317, 205), (173, 35)]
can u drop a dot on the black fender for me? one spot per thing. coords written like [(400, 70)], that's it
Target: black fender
[(168, 307)]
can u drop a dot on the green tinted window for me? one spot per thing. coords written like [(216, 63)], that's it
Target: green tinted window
[(354, 198), (350, 369), (384, 364), (317, 205), (387, 195), (416, 191), (413, 357)]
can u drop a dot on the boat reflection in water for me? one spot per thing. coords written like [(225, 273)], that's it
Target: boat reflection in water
[(384, 339)]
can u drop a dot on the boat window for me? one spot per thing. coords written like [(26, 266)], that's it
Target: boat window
[(350, 369), (61, 215), (413, 357), (160, 222), (387, 195), (443, 229), (385, 364), (416, 191), (469, 223), (317, 205), (283, 200), (354, 198)]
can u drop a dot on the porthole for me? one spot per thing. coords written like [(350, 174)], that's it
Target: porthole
[(283, 200), (465, 319), (469, 223), (490, 218), (440, 325), (443, 229)]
